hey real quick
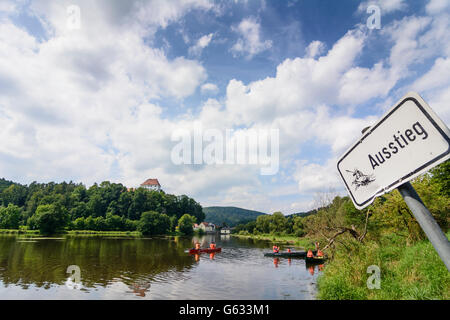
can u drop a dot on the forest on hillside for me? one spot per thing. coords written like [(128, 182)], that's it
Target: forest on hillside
[(230, 216), (51, 207)]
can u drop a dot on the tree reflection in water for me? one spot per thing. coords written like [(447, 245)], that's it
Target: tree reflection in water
[(101, 261)]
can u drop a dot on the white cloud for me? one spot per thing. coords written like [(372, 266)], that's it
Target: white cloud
[(7, 6), (313, 177), (249, 42), (437, 6), (201, 44), (315, 49), (209, 87), (437, 77), (298, 84)]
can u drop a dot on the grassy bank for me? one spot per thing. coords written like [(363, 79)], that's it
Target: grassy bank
[(85, 233), (407, 272), (17, 231), (104, 233), (281, 240)]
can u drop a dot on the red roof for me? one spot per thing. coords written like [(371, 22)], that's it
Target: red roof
[(151, 182)]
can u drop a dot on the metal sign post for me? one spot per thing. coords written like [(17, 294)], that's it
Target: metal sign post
[(426, 222), (406, 142)]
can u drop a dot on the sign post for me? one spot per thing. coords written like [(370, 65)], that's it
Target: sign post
[(426, 222), (407, 141)]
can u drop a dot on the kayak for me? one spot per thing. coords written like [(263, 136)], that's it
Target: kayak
[(209, 250), (294, 254), (315, 260)]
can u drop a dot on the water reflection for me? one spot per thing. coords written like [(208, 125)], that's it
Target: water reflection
[(314, 268), (140, 289), (148, 268), (276, 261)]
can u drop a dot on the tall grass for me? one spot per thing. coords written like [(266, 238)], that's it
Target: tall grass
[(407, 272)]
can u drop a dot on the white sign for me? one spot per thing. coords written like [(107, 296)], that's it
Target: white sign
[(406, 142)]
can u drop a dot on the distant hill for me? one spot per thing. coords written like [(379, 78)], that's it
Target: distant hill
[(232, 216), (303, 214), (5, 184)]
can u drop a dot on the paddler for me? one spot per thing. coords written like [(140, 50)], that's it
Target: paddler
[(319, 253), (289, 250), (275, 249), (310, 254), (197, 246), (212, 245)]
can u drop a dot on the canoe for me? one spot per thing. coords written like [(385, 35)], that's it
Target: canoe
[(208, 250), (315, 260), (293, 254)]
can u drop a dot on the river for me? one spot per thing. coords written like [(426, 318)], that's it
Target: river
[(148, 268)]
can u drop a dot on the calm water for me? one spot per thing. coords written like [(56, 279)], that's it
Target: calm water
[(150, 268)]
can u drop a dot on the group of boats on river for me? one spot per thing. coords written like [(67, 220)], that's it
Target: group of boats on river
[(310, 256)]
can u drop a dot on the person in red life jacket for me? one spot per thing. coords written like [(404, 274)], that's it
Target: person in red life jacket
[(197, 246), (319, 253), (289, 250), (310, 254), (275, 249), (212, 245)]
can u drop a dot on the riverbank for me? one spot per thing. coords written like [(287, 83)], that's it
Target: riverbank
[(19, 231), (136, 234), (280, 240), (407, 272), (73, 233)]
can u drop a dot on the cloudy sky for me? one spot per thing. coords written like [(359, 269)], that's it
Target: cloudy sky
[(102, 101)]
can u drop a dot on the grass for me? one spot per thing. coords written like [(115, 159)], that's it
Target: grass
[(104, 233), (75, 232), (19, 231), (407, 272)]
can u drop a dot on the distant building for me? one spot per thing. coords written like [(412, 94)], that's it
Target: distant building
[(151, 184), (196, 227), (225, 231), (207, 227)]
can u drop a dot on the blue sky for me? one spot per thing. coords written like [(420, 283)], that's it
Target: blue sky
[(103, 101)]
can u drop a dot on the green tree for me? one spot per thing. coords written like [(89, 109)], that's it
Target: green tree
[(79, 224), (298, 226), (79, 210), (441, 176), (15, 194), (152, 223), (186, 223), (263, 223), (10, 217), (50, 218), (173, 223), (278, 224), (90, 223), (114, 222), (100, 224)]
